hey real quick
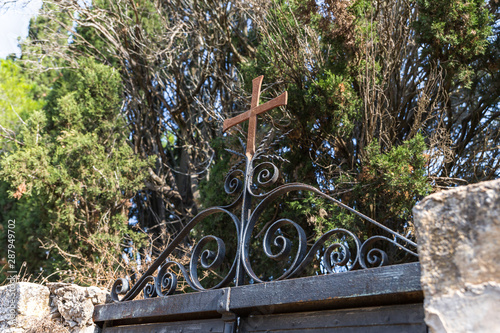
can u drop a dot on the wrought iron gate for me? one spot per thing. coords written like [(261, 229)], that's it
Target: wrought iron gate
[(385, 298)]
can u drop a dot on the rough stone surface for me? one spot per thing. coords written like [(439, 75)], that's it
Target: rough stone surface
[(57, 307), (21, 303), (74, 305), (459, 247)]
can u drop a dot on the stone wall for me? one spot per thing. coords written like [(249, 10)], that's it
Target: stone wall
[(459, 247), (56, 307)]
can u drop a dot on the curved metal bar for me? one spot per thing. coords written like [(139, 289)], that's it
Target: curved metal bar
[(264, 177), (285, 245), (119, 285), (205, 257), (168, 280), (150, 290), (318, 245), (279, 191), (234, 186), (377, 257)]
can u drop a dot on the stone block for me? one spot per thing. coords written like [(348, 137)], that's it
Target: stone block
[(74, 305), (458, 234), (22, 303), (58, 308)]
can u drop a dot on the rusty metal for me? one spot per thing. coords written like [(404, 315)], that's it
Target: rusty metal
[(257, 175), (251, 115)]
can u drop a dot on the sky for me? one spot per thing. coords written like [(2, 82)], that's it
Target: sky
[(14, 21)]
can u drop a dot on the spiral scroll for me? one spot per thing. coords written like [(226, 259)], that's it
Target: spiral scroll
[(346, 258), (209, 260), (150, 290), (120, 287), (266, 174), (165, 280), (376, 257), (285, 245), (234, 186), (166, 283)]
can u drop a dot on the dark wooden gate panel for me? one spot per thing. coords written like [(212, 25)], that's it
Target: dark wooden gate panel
[(407, 318)]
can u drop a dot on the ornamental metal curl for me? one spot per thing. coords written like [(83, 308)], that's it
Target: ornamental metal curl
[(247, 186)]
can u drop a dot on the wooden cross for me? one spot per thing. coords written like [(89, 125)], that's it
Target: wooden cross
[(251, 115)]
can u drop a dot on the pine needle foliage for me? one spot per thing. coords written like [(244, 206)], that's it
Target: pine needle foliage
[(76, 161)]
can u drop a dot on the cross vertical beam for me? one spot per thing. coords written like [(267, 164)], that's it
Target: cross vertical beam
[(251, 115)]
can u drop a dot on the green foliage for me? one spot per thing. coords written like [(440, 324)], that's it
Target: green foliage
[(76, 160), (391, 182), (335, 102), (17, 99), (387, 187), (454, 33), (401, 167)]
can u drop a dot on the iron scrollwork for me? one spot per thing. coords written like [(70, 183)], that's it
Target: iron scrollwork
[(254, 184), (246, 186)]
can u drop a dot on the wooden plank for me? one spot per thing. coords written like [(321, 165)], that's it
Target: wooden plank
[(398, 284), (407, 318), (201, 305), (192, 326)]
